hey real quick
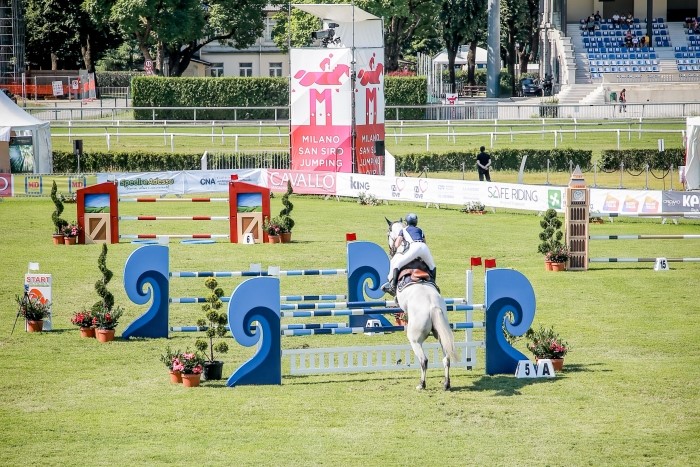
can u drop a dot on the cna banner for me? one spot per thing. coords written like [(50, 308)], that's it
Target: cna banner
[(321, 110), (369, 109), (180, 183)]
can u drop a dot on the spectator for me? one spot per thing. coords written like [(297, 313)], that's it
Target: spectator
[(643, 41), (597, 16), (616, 18), (630, 19), (628, 39), (622, 98), (695, 28), (635, 42), (483, 164)]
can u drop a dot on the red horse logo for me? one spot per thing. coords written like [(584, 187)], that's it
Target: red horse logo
[(325, 78)]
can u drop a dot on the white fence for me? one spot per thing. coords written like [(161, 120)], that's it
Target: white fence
[(472, 110)]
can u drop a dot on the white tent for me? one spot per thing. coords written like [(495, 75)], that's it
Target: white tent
[(692, 154), (461, 57), (36, 133)]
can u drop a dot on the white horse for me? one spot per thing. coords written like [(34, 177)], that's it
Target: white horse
[(427, 314)]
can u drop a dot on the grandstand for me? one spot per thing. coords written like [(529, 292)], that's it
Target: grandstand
[(665, 69)]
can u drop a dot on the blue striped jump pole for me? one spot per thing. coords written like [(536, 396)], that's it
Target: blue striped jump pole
[(641, 260), (289, 298), (324, 306), (643, 237), (331, 328), (362, 311), (295, 272)]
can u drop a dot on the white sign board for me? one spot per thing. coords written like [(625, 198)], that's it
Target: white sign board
[(57, 87), (527, 369), (38, 286)]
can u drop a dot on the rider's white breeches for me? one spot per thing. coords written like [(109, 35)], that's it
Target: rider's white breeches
[(415, 250)]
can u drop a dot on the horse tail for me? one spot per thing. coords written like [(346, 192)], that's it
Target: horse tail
[(442, 326)]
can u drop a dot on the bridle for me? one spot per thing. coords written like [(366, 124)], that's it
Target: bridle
[(391, 238)]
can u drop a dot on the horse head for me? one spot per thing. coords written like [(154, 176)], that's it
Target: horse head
[(395, 228)]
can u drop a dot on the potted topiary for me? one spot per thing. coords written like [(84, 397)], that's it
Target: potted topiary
[(215, 319), (106, 315), (546, 344), (550, 237), (559, 256), (58, 223), (286, 222)]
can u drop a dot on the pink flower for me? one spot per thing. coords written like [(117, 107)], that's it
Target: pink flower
[(197, 370)]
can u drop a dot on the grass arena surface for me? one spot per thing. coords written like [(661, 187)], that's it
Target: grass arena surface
[(627, 395)]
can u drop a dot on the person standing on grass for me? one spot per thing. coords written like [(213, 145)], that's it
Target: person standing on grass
[(483, 165)]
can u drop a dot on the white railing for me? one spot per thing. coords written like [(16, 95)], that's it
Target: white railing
[(472, 110)]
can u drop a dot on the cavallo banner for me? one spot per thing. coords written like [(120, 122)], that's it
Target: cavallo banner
[(321, 110), (369, 110)]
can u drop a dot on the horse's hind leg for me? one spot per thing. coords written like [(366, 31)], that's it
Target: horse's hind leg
[(446, 365), (423, 361)]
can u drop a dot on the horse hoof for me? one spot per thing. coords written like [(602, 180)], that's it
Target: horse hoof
[(447, 386), (420, 387)]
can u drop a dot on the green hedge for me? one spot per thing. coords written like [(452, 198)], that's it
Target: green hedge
[(509, 159), (410, 90), (637, 159), (117, 79), (506, 159), (153, 91), (210, 92)]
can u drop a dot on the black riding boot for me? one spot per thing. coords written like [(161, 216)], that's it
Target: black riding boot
[(390, 286), (433, 273)]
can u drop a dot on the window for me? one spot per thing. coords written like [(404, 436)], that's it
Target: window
[(216, 70), (267, 34), (245, 69), (276, 69)]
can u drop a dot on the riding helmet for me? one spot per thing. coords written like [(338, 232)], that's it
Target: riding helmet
[(412, 219)]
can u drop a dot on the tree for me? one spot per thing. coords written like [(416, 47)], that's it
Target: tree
[(460, 20), (518, 25), (62, 34), (407, 23), (405, 20), (178, 29)]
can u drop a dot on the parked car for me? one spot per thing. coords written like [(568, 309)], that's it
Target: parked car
[(9, 94), (530, 87)]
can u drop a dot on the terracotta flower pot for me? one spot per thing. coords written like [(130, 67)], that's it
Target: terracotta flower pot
[(175, 377), (35, 326), (191, 380), (105, 335), (558, 266), (70, 240), (274, 238), (286, 237), (87, 332), (547, 265), (557, 363), (58, 239)]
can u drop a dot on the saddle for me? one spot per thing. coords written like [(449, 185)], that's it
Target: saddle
[(415, 272)]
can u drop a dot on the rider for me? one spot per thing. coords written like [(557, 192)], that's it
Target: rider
[(415, 247)]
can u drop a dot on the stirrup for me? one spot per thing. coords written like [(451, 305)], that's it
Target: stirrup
[(389, 288)]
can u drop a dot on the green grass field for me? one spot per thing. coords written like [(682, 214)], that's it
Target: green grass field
[(628, 394), (401, 138)]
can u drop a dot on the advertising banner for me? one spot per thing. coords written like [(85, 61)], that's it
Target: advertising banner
[(38, 286), (369, 109), (6, 185), (681, 201), (625, 201), (303, 182), (511, 196), (321, 110), (21, 154), (180, 183)]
